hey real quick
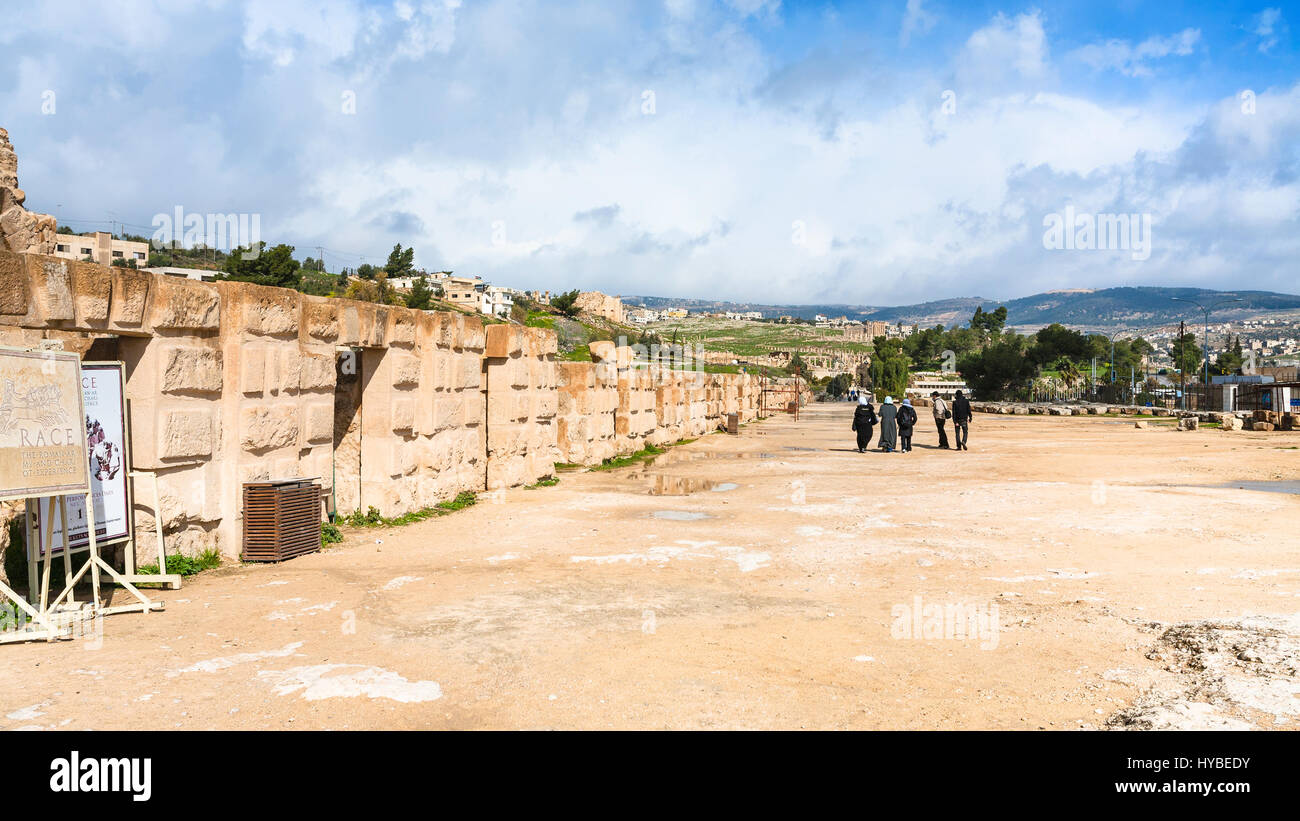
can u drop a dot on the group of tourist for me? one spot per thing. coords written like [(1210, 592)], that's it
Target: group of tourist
[(898, 421)]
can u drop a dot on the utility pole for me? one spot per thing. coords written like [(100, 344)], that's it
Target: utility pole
[(1206, 312), (1182, 372)]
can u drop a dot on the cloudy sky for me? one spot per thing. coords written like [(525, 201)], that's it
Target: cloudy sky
[(876, 153)]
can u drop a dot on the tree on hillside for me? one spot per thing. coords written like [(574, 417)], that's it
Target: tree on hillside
[(366, 270), (797, 365), (990, 322), (566, 303), (421, 295), (1000, 368), (925, 347), (1187, 354), (1231, 360), (888, 370), (889, 376), (261, 266), (1056, 341), (839, 385), (401, 263)]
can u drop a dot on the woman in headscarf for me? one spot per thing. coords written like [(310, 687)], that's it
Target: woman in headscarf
[(906, 421), (888, 427), (864, 421)]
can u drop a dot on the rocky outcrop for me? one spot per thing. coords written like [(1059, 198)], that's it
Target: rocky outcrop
[(20, 230)]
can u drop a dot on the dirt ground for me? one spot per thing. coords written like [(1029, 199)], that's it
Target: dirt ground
[(1065, 573)]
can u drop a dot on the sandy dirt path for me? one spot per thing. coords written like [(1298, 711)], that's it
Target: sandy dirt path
[(1065, 573)]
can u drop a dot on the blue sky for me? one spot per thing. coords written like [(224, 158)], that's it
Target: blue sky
[(873, 153)]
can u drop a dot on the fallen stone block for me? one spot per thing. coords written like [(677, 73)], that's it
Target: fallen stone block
[(1264, 426)]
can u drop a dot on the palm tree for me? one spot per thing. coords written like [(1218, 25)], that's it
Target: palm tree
[(1070, 373)]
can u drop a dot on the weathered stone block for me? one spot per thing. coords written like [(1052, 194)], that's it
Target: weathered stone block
[(185, 434), (317, 372), (265, 428), (93, 286), (504, 341), (185, 305), (406, 370), (403, 414), (191, 369), (252, 370), (402, 332), (13, 284), (54, 286), (131, 296), (266, 311), (288, 374), (320, 423), (322, 319)]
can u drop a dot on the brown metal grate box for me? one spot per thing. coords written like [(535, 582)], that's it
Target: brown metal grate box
[(281, 519)]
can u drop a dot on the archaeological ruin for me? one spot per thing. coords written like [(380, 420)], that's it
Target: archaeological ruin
[(395, 408)]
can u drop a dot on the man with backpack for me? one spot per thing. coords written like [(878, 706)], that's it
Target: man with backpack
[(961, 416), (941, 416)]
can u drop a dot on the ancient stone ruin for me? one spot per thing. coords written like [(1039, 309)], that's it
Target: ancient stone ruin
[(21, 231), (602, 305)]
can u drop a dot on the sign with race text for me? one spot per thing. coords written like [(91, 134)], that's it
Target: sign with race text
[(42, 443)]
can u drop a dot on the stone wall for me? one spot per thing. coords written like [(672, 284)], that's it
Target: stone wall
[(588, 400), (393, 408), (521, 381)]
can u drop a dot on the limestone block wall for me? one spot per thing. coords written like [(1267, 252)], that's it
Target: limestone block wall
[(519, 364), (588, 398), (398, 409), (635, 420), (229, 382)]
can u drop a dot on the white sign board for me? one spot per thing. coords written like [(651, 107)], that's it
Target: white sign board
[(102, 391), (42, 449)]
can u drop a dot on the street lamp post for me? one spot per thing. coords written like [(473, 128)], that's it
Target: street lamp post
[(1206, 312)]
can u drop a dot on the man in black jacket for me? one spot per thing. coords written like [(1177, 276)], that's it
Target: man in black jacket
[(961, 416)]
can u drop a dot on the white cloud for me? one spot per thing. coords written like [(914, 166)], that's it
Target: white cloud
[(1133, 61), (1266, 27), (1007, 50), (916, 20), (509, 112)]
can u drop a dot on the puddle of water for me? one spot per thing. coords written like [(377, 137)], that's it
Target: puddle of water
[(680, 515), (1265, 485), (661, 485), (676, 455)]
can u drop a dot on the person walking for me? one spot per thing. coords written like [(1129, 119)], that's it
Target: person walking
[(864, 422), (906, 423), (888, 425), (941, 416), (961, 418)]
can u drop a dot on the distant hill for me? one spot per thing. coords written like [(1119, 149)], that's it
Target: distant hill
[(1105, 307)]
